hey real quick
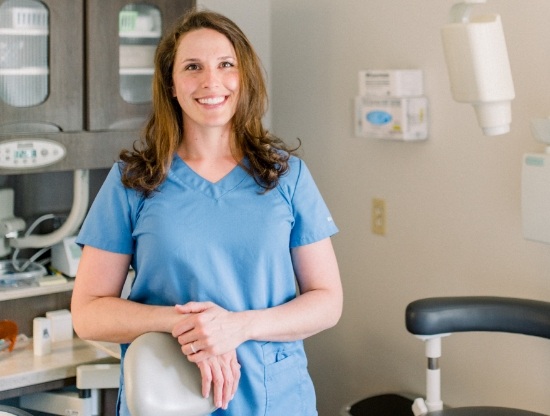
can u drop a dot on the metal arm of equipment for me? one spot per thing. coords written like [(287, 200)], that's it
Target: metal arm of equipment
[(70, 226)]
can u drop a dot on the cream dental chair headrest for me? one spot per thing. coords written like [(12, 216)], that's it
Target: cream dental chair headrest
[(159, 380)]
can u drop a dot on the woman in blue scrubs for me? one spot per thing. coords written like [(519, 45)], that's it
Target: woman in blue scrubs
[(224, 226)]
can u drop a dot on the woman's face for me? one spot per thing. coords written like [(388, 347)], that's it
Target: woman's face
[(206, 79)]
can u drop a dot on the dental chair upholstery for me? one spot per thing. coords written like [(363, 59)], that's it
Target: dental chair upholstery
[(431, 319)]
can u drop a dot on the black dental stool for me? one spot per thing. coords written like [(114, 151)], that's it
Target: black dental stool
[(433, 318)]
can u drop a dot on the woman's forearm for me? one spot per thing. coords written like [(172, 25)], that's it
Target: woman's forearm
[(213, 330), (307, 315), (119, 320), (98, 311)]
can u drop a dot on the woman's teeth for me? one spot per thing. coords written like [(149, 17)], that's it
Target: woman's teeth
[(211, 101)]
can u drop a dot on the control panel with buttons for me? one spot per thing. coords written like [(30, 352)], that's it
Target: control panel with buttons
[(29, 153)]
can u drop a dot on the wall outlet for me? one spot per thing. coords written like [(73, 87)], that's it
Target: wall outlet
[(378, 221)]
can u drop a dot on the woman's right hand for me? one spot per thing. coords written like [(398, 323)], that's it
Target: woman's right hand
[(223, 373)]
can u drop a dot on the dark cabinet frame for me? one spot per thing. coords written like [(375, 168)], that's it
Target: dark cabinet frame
[(84, 99)]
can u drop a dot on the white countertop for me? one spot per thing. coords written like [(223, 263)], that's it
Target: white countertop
[(21, 368), (28, 292)]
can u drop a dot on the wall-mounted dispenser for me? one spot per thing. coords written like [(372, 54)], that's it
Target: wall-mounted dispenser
[(478, 66), (535, 187), (391, 105)]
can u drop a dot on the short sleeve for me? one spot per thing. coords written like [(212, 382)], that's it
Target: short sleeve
[(312, 219), (108, 224)]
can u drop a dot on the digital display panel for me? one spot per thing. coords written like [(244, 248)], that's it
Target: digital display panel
[(25, 154)]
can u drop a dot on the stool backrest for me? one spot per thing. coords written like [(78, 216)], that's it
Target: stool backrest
[(159, 380), (440, 315)]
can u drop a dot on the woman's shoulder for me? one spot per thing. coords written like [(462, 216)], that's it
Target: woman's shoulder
[(114, 176), (296, 165), (297, 175), (114, 181)]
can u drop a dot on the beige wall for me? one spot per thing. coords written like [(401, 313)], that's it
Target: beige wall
[(253, 17), (453, 201)]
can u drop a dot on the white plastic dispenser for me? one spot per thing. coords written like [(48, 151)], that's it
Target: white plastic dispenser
[(478, 66), (535, 197), (391, 83), (392, 118), (535, 187), (391, 105)]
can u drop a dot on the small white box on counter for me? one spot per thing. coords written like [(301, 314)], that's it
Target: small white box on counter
[(392, 118), (41, 336), (61, 324), (391, 82)]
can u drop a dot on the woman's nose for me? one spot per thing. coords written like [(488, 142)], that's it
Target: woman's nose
[(210, 78)]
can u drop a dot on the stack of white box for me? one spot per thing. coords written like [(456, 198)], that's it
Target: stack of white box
[(391, 105)]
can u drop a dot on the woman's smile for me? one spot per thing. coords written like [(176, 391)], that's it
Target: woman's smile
[(212, 100)]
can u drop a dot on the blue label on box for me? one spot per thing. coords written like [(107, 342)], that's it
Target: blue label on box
[(379, 117)]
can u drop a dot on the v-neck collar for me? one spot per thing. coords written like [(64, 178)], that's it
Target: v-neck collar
[(183, 173)]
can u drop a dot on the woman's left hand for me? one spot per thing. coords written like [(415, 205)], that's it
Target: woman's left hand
[(209, 330), (220, 377)]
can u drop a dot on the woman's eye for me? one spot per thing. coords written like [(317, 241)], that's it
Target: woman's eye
[(227, 65), (192, 67)]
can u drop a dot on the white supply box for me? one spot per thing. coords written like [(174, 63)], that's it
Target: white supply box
[(392, 118), (61, 324), (391, 83)]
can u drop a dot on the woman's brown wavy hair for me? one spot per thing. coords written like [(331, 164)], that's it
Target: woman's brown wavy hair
[(147, 165)]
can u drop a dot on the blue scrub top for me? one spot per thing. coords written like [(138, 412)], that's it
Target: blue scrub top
[(224, 242)]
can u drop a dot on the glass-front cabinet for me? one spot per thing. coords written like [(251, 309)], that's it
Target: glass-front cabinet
[(71, 68), (128, 33), (139, 32), (41, 61)]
